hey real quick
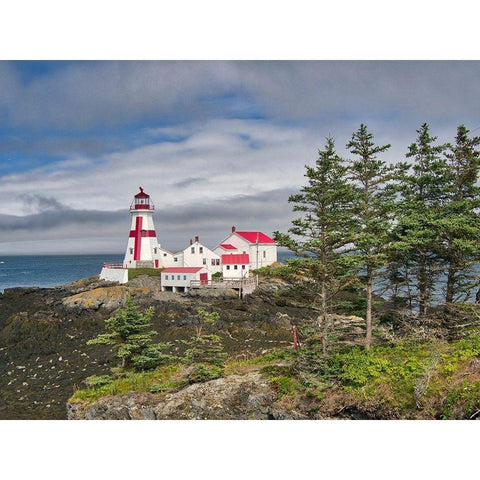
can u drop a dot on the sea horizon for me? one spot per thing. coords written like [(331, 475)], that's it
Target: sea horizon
[(54, 270)]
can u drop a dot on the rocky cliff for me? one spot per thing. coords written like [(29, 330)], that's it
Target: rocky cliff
[(43, 333)]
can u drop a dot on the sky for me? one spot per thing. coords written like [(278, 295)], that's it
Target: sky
[(215, 143)]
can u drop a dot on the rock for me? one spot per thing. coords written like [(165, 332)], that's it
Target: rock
[(282, 320), (244, 397)]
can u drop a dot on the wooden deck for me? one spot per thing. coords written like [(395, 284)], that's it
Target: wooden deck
[(245, 286)]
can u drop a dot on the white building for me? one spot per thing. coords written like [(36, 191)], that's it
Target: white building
[(177, 279), (261, 249), (167, 258), (199, 255), (235, 265)]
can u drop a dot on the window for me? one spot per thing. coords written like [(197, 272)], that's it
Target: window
[(193, 249), (235, 267), (204, 261), (213, 261), (201, 249), (178, 277), (144, 233), (228, 267), (244, 252), (155, 250), (164, 254), (243, 267), (175, 259), (166, 277), (264, 254), (184, 277), (131, 251), (217, 261)]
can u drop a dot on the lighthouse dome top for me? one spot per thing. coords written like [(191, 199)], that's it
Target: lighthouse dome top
[(142, 194), (142, 201)]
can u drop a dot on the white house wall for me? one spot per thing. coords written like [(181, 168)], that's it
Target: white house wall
[(201, 259), (119, 275)]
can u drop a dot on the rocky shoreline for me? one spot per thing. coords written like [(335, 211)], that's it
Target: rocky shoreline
[(43, 333)]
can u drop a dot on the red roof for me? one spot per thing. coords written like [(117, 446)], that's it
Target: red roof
[(227, 246), (252, 237), (142, 194), (235, 258), (181, 269)]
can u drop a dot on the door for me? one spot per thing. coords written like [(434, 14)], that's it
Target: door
[(204, 278), (156, 263)]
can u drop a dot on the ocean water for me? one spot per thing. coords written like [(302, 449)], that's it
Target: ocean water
[(48, 271)]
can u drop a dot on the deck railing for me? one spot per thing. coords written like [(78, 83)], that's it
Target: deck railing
[(113, 265), (240, 283)]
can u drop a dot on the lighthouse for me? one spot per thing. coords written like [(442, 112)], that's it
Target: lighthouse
[(143, 248)]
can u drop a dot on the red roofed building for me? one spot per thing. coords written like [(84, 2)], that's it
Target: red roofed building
[(261, 248), (235, 265), (177, 279)]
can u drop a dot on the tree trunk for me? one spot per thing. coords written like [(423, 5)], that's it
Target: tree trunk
[(422, 286), (452, 270), (368, 338), (323, 319)]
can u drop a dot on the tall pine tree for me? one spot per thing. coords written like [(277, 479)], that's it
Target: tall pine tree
[(320, 235), (460, 229), (422, 190), (373, 211)]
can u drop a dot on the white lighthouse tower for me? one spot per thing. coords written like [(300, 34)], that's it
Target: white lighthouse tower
[(142, 249)]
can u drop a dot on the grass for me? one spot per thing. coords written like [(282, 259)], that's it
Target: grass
[(400, 380), (135, 272), (161, 379)]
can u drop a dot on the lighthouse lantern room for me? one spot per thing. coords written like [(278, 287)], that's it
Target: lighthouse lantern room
[(142, 248)]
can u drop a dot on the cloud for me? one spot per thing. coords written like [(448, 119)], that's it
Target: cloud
[(213, 143)]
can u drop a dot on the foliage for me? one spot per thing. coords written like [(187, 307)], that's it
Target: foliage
[(128, 331), (151, 272), (205, 348), (98, 381), (419, 213), (460, 226), (321, 234), (373, 211), (161, 379), (203, 372)]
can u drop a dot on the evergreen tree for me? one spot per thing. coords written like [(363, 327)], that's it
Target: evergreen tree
[(460, 228), (205, 347), (419, 213), (128, 331), (373, 211), (320, 235)]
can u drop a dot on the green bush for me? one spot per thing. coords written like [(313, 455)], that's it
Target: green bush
[(202, 372), (98, 381)]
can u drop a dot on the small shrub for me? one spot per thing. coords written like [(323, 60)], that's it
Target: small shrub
[(98, 381), (202, 372)]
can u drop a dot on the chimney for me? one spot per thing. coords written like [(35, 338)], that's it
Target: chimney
[(191, 241), (196, 238), (233, 229)]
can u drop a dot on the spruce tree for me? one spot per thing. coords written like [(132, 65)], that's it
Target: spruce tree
[(460, 228), (422, 191), (320, 235), (373, 211), (128, 331)]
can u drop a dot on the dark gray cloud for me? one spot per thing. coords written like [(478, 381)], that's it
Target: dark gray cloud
[(212, 221)]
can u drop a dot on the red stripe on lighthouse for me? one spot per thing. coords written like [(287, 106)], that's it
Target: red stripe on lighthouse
[(138, 238), (146, 233)]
